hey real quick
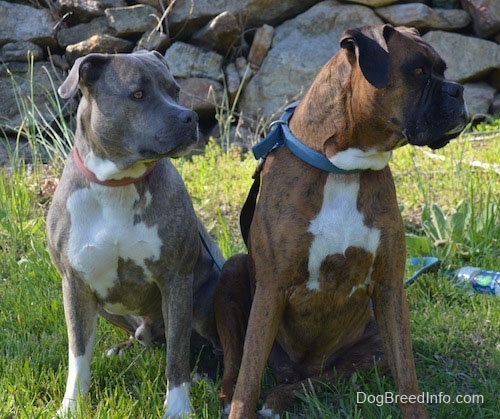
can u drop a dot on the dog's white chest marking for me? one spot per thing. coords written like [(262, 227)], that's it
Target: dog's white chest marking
[(106, 169), (338, 225), (354, 158), (103, 230)]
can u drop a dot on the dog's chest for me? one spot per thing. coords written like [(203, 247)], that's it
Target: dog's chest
[(340, 226), (106, 229)]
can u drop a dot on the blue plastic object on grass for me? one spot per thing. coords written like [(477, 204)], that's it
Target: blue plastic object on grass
[(423, 265), (475, 279)]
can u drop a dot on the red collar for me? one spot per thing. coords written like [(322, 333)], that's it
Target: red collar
[(89, 175)]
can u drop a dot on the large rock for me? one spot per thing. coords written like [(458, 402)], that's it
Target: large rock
[(98, 43), (153, 40), (19, 86), (187, 15), (20, 51), (84, 10), (201, 95), (467, 58), (83, 31), (479, 98), (495, 106), (222, 34), (186, 61), (373, 3), (300, 48), (132, 20), (485, 15), (423, 17), (24, 23), (262, 41)]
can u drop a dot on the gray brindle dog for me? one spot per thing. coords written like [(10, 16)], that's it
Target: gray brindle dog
[(122, 230)]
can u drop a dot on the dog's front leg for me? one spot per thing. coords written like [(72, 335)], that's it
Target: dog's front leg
[(177, 313), (263, 323), (80, 309), (392, 316)]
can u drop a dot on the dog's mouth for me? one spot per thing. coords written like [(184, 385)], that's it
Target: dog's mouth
[(423, 139), (448, 136), (163, 148), (434, 144), (440, 143), (180, 151), (148, 155)]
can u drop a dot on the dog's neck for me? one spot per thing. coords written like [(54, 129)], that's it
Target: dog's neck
[(90, 176)]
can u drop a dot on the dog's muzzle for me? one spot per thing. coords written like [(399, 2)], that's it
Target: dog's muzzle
[(441, 115)]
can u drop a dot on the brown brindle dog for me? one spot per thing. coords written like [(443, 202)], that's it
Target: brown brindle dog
[(322, 286)]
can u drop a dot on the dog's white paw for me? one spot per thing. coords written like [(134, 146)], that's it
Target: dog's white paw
[(120, 348), (265, 412), (177, 403), (114, 351), (67, 410), (226, 410)]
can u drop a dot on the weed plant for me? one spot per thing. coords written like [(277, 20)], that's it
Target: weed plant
[(450, 204)]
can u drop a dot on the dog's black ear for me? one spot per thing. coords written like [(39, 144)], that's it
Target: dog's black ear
[(369, 45), (85, 68)]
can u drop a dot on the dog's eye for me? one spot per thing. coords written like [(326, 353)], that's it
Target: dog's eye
[(138, 94), (419, 71)]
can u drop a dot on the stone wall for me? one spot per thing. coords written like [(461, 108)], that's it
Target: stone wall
[(264, 53)]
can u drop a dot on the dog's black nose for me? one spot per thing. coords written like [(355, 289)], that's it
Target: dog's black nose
[(453, 89), (188, 117)]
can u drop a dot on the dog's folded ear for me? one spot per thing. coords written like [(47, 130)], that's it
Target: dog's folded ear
[(154, 54), (369, 45), (85, 69)]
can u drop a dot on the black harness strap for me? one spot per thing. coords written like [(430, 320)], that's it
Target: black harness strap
[(248, 209)]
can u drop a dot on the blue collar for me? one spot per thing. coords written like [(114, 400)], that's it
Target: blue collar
[(281, 135)]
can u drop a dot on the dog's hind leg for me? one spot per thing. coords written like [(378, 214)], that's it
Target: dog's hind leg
[(365, 355), (127, 323), (144, 330), (232, 308)]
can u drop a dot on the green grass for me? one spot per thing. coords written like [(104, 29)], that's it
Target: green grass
[(455, 335)]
